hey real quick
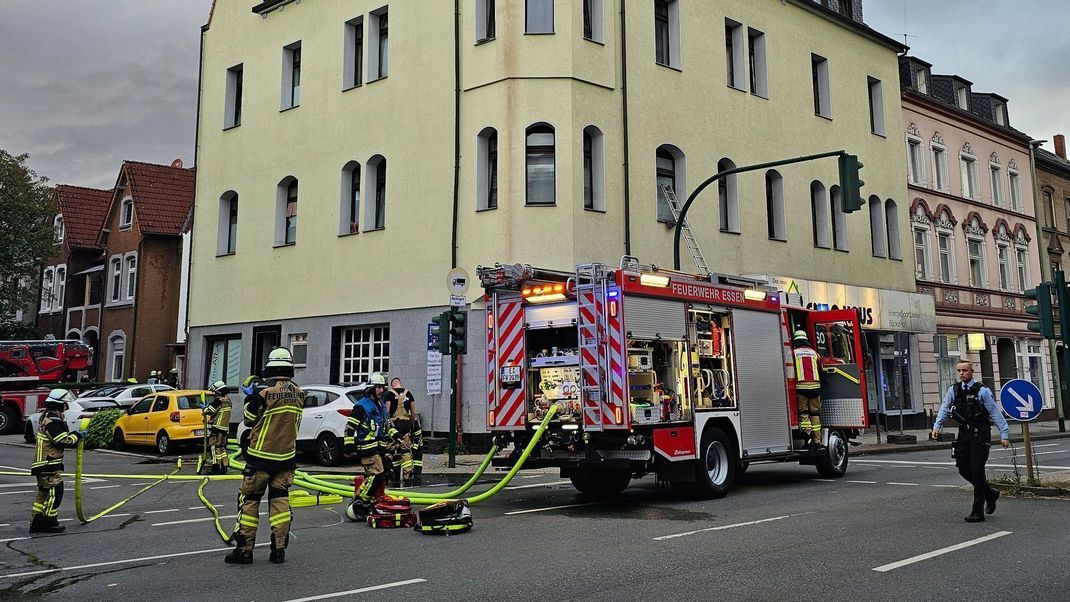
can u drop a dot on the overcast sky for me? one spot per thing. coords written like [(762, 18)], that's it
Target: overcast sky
[(86, 84)]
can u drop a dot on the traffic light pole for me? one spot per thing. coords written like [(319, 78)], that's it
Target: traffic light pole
[(1064, 321), (453, 412), (694, 193)]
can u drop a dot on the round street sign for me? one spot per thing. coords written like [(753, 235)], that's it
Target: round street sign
[(1021, 400), (457, 281)]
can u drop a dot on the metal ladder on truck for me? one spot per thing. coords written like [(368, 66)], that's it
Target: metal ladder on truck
[(685, 231), (590, 298)]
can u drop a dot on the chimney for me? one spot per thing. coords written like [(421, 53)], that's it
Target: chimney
[(1060, 146)]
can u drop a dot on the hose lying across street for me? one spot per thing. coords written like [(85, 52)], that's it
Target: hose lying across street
[(327, 492)]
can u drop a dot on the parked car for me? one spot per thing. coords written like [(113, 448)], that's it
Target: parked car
[(73, 415), (164, 419), (323, 421), (125, 395)]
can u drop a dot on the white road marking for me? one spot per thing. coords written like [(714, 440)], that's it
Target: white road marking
[(895, 565), (13, 539), (106, 487), (540, 485), (864, 482), (124, 561), (5, 525), (15, 492), (162, 511), (733, 526), (555, 508), (200, 507), (19, 468), (197, 520), (359, 591), (948, 486), (908, 484), (6, 485), (904, 462), (827, 480)]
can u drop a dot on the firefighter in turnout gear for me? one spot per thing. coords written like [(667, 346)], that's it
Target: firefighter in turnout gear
[(217, 417), (400, 406), (807, 386), (973, 406), (273, 413), (52, 437), (369, 432)]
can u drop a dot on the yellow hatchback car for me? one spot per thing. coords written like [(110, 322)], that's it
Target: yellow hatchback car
[(163, 419)]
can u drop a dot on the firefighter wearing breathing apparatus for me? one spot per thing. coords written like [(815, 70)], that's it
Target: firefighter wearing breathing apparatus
[(973, 406), (368, 432), (217, 419), (807, 386), (273, 413), (400, 406), (47, 466)]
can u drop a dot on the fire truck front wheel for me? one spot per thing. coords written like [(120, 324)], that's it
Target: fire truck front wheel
[(715, 470), (833, 464)]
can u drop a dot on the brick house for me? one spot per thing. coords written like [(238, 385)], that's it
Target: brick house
[(142, 266), (71, 280)]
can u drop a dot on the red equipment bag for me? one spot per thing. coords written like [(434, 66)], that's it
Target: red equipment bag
[(391, 513)]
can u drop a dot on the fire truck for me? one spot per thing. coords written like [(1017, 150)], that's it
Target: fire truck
[(27, 367), (691, 378)]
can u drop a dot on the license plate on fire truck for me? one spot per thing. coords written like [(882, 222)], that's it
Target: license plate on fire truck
[(510, 375)]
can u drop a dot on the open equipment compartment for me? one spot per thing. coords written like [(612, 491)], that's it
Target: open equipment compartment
[(553, 373), (712, 361)]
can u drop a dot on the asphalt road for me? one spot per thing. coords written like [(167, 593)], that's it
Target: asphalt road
[(892, 528)]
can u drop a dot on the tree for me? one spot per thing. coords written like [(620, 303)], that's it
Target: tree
[(27, 238)]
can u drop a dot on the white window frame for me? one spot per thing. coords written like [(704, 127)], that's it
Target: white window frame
[(596, 9), (232, 112), (369, 192), (57, 226), (48, 287), (891, 225), (995, 173), (1015, 186), (728, 198), (60, 288), (377, 69), (223, 237), (982, 261), (776, 225), (949, 235), (282, 191), (662, 213), (536, 21), (348, 223), (1003, 261), (922, 267), (736, 62), (290, 96), (877, 234), (116, 356), (484, 167), (528, 201), (674, 37), (353, 61), (598, 168), (915, 163), (1029, 349), (939, 165), (819, 214), (115, 285), (126, 213), (962, 96), (1021, 260), (299, 340), (757, 63), (876, 105), (819, 66), (358, 345), (968, 173), (130, 276), (840, 240)]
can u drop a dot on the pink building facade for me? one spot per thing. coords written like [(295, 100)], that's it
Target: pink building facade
[(974, 232)]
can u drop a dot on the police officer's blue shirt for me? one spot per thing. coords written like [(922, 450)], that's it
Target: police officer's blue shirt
[(986, 398)]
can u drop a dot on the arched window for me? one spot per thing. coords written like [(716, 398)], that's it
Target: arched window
[(48, 283), (349, 199), (819, 210), (126, 213), (61, 288), (375, 211), (728, 198), (286, 212), (891, 218), (487, 169), (57, 224), (774, 205), (671, 170), (541, 177), (876, 227), (227, 231), (839, 220), (116, 356), (593, 169)]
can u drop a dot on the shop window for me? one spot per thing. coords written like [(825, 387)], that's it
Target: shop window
[(299, 349), (361, 352), (223, 357)]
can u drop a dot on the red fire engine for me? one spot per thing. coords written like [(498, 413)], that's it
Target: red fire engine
[(25, 365), (657, 371)]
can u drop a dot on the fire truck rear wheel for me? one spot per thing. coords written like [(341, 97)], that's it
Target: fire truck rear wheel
[(9, 420), (715, 470), (833, 464), (603, 483)]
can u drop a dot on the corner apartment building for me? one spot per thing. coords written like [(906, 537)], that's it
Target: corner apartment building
[(350, 153), (974, 232), (1053, 216)]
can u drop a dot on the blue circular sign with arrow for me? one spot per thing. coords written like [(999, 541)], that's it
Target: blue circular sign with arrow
[(1021, 400)]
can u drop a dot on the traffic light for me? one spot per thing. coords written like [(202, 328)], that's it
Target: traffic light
[(440, 329), (458, 330), (1045, 323), (850, 183)]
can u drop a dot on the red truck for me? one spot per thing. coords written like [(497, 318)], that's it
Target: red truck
[(26, 370)]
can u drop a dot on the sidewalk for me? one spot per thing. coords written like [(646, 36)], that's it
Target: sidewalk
[(468, 463)]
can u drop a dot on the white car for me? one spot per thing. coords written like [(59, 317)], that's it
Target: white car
[(73, 415), (125, 396), (327, 408)]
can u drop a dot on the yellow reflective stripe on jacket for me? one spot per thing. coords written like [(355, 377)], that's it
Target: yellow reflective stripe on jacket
[(259, 453)]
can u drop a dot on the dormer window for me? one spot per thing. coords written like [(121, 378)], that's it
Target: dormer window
[(921, 79), (126, 214), (57, 224), (962, 96), (999, 112)]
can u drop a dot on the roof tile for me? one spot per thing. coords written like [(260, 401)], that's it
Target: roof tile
[(163, 196), (83, 211)]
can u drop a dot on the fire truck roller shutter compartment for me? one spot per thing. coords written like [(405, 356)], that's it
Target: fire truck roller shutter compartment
[(552, 348), (762, 394), (658, 375)]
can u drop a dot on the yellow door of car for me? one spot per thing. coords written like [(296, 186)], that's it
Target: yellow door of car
[(158, 418), (134, 424)]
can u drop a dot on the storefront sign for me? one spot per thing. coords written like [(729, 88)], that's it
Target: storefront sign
[(878, 309)]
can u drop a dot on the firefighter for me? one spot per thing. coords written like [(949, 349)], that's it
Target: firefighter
[(401, 407), (369, 431), (273, 415), (807, 387), (154, 377), (974, 408), (172, 378), (217, 418), (52, 437)]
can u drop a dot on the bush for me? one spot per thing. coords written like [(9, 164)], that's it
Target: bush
[(102, 427)]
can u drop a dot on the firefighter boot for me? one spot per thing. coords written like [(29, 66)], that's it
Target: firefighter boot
[(42, 524), (238, 555), (53, 526), (278, 555)]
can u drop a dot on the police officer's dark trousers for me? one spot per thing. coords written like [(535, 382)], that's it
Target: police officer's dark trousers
[(971, 454)]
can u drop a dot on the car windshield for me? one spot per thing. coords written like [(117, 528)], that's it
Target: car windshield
[(354, 396), (106, 391), (194, 402), (93, 406)]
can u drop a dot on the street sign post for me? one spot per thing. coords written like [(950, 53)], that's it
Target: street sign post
[(1021, 400)]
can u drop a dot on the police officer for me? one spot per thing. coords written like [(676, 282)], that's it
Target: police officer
[(47, 466), (369, 431), (217, 418), (273, 415), (974, 408), (807, 386), (400, 406)]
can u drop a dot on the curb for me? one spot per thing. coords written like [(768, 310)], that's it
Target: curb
[(930, 445)]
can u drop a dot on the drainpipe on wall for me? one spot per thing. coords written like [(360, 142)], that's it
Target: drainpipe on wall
[(624, 101), (456, 126), (1045, 271), (137, 295)]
